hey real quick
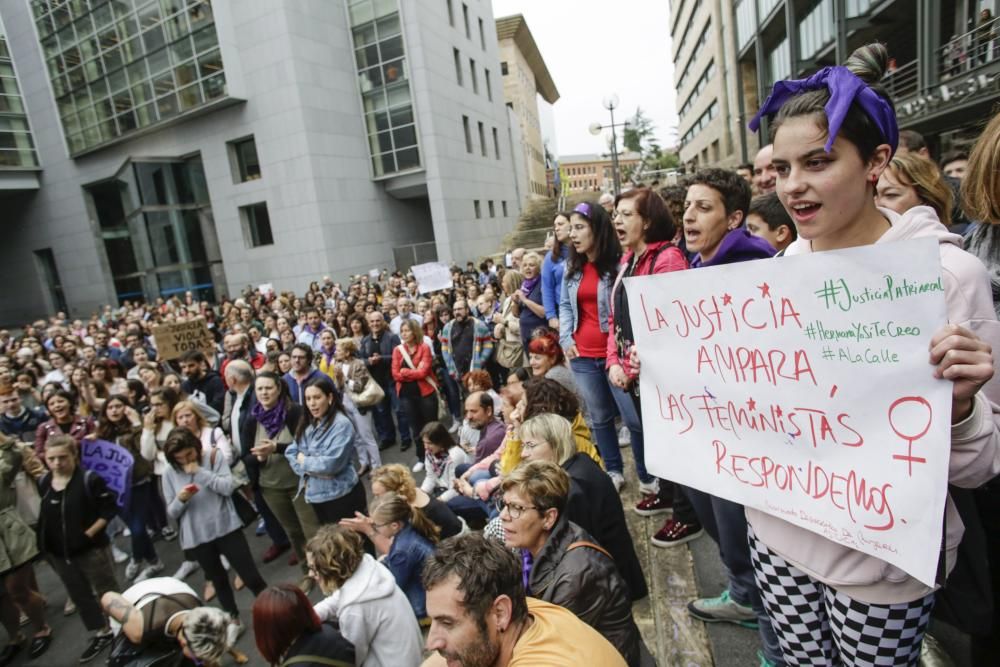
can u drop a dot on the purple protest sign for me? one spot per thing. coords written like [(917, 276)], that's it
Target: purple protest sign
[(113, 463)]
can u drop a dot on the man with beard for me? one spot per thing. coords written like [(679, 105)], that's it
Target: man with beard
[(237, 346), (376, 351), (202, 382), (466, 343), (481, 617)]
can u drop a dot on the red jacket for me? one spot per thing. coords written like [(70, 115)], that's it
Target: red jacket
[(424, 362), (669, 259)]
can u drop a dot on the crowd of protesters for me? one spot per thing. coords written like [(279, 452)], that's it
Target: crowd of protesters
[(504, 542)]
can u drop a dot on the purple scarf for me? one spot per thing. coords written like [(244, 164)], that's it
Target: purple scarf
[(273, 420), (529, 284), (845, 88), (526, 563)]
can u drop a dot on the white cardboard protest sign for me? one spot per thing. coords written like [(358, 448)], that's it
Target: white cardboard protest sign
[(432, 276), (802, 387)]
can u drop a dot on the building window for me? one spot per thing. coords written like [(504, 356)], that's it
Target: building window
[(503, 67), (482, 138), (458, 65), (465, 17), (124, 66), (257, 224), (17, 147), (503, 207), (244, 152), (496, 143), (489, 85), (475, 79), (383, 79), (477, 208), (468, 134), (46, 262), (451, 14), (482, 35), (492, 210)]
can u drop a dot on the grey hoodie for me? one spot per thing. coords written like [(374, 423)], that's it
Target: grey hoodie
[(975, 442), (376, 617)]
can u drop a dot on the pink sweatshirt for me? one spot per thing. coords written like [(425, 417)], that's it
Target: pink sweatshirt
[(975, 442)]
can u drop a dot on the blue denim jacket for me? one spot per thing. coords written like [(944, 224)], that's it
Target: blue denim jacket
[(326, 473), (406, 561), (569, 310)]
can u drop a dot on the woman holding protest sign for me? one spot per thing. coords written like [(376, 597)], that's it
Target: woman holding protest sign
[(75, 510), (119, 423), (834, 134)]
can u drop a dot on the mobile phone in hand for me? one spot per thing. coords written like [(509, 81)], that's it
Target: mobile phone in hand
[(191, 488)]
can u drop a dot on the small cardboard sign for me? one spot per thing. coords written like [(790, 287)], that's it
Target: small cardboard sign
[(174, 340)]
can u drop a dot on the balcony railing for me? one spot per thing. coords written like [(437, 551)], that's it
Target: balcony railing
[(968, 51)]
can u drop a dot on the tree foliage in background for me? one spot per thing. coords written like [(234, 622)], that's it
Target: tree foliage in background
[(639, 137)]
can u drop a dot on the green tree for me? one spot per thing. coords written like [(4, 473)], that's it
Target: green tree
[(639, 133)]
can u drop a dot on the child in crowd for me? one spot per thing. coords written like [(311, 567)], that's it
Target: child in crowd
[(768, 219)]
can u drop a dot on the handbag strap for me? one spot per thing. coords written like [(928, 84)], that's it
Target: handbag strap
[(590, 545), (409, 362)]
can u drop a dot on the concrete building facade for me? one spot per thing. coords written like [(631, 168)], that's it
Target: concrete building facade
[(594, 173), (944, 69), (707, 83), (208, 145), (525, 79)]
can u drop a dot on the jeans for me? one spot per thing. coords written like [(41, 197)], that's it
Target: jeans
[(633, 422), (453, 396), (596, 390), (137, 515), (726, 522), (383, 416)]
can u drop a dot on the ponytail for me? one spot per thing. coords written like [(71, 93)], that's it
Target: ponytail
[(390, 508)]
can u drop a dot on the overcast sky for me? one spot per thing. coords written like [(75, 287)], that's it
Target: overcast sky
[(632, 60)]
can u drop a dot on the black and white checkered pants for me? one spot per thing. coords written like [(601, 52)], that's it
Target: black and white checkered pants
[(818, 626)]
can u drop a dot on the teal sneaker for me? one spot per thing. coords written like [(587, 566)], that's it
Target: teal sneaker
[(723, 609), (764, 662)]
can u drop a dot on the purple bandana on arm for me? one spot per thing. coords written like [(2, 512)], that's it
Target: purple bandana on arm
[(845, 88)]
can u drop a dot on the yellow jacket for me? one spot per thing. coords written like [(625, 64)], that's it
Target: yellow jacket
[(511, 456)]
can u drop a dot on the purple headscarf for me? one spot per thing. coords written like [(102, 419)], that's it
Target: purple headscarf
[(845, 88)]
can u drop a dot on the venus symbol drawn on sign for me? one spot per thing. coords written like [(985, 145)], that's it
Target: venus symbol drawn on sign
[(905, 415)]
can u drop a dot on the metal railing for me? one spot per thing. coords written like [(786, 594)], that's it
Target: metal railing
[(968, 51)]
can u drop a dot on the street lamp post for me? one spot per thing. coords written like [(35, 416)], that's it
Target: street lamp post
[(611, 103)]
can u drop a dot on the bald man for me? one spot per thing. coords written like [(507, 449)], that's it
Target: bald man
[(764, 174)]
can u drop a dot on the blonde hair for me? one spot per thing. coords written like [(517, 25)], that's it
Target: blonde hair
[(981, 185), (393, 508), (512, 281), (533, 256), (924, 176), (337, 552), (199, 418), (553, 429), (347, 344), (544, 484), (396, 478)]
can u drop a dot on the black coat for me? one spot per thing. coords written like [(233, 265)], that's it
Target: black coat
[(382, 371), (585, 581), (81, 507), (328, 643), (210, 387), (595, 506)]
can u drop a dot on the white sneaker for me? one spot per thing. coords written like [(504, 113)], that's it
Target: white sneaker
[(617, 479), (132, 569), (225, 562), (119, 555), (649, 488), (417, 467), (455, 427), (185, 570), (624, 437), (126, 533), (234, 631), (150, 570)]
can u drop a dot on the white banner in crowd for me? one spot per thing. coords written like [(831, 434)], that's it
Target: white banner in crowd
[(432, 276), (802, 387)]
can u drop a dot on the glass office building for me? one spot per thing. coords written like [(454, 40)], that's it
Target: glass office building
[(118, 66), (17, 149), (383, 79)]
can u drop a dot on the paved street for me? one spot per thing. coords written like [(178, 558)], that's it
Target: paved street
[(675, 577)]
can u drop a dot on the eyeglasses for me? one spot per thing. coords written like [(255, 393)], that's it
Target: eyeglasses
[(531, 444), (514, 511)]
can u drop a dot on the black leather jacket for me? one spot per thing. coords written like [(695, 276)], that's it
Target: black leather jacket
[(585, 580)]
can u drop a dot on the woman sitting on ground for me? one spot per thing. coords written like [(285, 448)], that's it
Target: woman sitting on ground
[(563, 564), (593, 503), (403, 537), (286, 627), (443, 455), (370, 609), (397, 478)]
